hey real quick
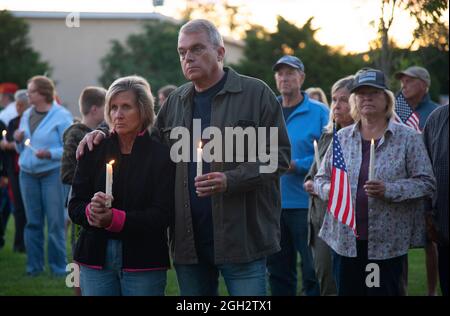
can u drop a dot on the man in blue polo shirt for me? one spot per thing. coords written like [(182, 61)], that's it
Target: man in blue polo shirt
[(305, 119)]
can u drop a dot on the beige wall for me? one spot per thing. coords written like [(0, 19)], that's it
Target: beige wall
[(234, 51), (75, 53)]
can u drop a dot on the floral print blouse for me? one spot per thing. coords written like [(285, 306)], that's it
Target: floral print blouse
[(402, 163)]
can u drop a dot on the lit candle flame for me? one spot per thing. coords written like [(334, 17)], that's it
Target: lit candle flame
[(111, 162), (200, 144), (4, 133), (27, 142)]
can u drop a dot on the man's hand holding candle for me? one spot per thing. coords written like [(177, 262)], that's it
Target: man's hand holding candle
[(210, 183)]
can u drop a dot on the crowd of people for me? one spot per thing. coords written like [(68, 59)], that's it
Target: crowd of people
[(134, 205)]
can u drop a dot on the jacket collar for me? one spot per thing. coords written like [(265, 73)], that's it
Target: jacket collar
[(425, 100), (55, 107), (232, 85), (141, 133), (137, 145), (302, 107)]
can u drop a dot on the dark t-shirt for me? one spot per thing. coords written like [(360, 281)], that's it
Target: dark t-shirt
[(362, 200), (287, 111), (201, 208)]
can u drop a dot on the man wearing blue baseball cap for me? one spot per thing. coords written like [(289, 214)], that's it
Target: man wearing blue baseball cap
[(305, 119)]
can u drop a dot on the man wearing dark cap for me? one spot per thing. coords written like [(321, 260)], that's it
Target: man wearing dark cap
[(415, 83), (305, 120)]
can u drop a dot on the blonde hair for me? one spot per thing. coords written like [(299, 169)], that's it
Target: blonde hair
[(318, 91), (344, 83), (144, 98), (390, 107)]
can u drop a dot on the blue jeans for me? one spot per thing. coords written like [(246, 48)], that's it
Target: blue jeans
[(43, 196), (112, 281), (241, 279), (282, 266)]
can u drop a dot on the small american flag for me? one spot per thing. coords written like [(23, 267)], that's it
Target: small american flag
[(405, 115), (340, 199)]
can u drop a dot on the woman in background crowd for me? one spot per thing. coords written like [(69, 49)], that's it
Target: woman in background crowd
[(39, 143), (339, 114)]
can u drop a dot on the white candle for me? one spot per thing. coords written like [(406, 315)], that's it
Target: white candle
[(372, 160), (4, 132), (316, 154), (199, 159), (109, 181), (28, 144)]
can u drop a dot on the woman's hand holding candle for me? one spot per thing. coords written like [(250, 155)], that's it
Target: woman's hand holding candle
[(100, 214)]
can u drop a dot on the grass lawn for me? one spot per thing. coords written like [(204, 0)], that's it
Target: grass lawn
[(14, 281)]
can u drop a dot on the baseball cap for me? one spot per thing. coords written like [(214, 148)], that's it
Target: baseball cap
[(8, 87), (415, 72), (291, 61), (369, 77)]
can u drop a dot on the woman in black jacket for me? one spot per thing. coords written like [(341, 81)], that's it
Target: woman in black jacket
[(123, 249)]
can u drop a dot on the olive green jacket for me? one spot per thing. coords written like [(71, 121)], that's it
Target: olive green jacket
[(246, 217)]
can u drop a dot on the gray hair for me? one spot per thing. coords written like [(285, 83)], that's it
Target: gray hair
[(21, 95), (144, 98), (346, 83), (201, 25)]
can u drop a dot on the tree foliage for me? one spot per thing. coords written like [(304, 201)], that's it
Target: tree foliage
[(436, 61), (429, 30), (323, 65), (151, 54), (231, 20), (18, 60)]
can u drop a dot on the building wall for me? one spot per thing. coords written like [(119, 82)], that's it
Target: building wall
[(75, 53)]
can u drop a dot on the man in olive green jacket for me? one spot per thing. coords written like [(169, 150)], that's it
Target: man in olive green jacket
[(245, 202)]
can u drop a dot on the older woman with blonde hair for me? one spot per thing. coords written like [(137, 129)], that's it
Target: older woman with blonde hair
[(123, 247), (339, 115), (384, 206)]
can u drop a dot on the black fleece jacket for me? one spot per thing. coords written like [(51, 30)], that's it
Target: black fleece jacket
[(144, 190)]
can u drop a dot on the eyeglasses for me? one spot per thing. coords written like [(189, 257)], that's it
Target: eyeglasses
[(196, 50)]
